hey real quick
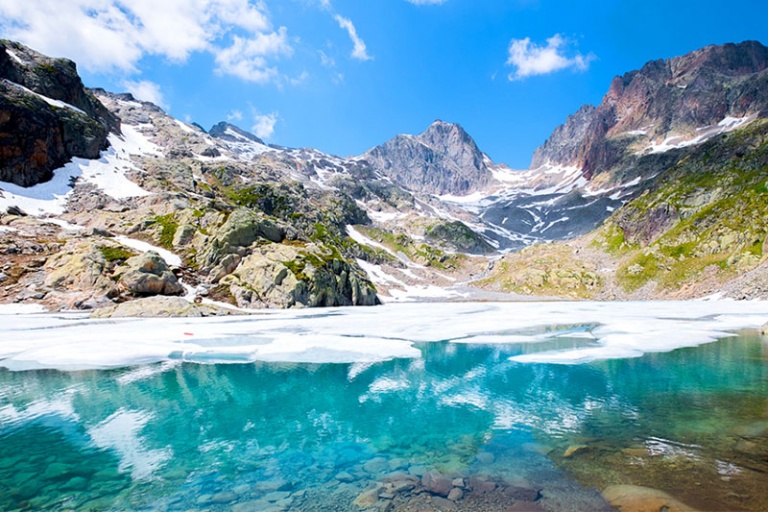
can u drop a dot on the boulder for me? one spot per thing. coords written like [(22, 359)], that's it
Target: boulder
[(79, 266), (437, 483), (148, 274), (235, 236)]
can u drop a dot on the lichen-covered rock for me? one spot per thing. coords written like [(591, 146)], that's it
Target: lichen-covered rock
[(149, 274), (154, 307), (235, 236), (457, 236), (79, 266), (289, 275)]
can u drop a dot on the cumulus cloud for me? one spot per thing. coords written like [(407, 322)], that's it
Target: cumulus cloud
[(359, 51), (249, 59), (529, 59), (145, 90), (264, 125), (114, 35)]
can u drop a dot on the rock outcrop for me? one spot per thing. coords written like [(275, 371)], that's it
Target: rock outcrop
[(46, 116), (161, 307), (442, 160), (289, 275), (149, 274)]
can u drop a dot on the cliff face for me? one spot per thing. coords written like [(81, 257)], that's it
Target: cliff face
[(666, 103), (46, 116), (442, 160)]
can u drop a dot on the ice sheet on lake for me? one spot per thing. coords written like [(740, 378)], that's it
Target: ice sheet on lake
[(366, 335)]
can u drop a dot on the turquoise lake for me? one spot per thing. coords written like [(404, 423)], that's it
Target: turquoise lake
[(262, 435)]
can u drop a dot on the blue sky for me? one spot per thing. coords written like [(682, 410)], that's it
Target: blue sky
[(345, 75)]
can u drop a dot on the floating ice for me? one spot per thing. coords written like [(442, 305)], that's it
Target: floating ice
[(534, 332)]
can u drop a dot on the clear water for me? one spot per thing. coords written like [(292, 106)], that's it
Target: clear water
[(277, 436)]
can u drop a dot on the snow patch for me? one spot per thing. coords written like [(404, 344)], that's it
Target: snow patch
[(171, 259), (184, 126), (15, 57), (106, 172), (673, 141)]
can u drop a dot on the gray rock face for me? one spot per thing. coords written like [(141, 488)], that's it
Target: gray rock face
[(242, 228), (281, 275), (565, 143), (148, 274), (442, 160), (679, 95), (46, 116)]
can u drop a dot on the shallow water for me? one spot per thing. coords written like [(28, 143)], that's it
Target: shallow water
[(297, 436)]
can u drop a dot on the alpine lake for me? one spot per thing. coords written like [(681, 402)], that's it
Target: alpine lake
[(464, 423)]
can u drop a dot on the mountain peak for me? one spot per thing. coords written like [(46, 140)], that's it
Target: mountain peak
[(683, 98), (444, 159), (232, 133)]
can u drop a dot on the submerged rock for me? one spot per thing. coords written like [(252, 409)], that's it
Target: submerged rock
[(437, 484), (634, 498), (574, 449)]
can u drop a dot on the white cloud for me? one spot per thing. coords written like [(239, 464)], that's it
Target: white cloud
[(426, 2), (359, 51), (114, 35), (264, 125), (325, 60), (299, 79), (235, 115), (145, 90), (249, 59), (530, 59)]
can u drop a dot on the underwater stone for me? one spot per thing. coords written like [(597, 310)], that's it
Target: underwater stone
[(456, 494)]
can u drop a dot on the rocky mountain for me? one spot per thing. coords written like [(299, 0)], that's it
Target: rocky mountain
[(656, 193), (48, 117), (603, 156), (698, 230), (442, 160), (217, 217), (666, 104)]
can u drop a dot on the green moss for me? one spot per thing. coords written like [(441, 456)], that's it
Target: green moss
[(113, 254), (169, 225), (611, 239), (297, 267), (48, 69)]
